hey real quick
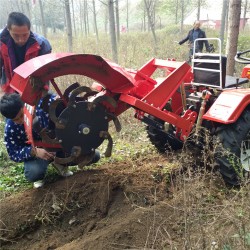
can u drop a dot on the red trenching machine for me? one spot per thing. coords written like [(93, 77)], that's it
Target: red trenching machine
[(177, 107)]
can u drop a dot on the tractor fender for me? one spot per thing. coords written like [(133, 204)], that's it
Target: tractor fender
[(246, 72), (228, 106), (37, 71)]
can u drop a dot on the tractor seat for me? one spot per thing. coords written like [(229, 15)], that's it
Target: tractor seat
[(210, 70)]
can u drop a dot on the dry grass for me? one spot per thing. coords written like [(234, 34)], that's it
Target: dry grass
[(202, 215)]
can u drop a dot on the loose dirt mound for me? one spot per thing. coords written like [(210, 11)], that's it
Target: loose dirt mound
[(104, 208), (125, 206)]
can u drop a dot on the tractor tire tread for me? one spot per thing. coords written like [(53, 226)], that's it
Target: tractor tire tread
[(231, 137)]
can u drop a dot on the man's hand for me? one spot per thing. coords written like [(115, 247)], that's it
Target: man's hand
[(210, 48), (45, 155)]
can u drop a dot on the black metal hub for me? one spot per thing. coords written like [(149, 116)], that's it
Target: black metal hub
[(81, 127)]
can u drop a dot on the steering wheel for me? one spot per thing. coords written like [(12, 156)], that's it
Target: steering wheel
[(242, 59)]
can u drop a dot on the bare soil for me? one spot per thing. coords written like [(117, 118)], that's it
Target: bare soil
[(129, 205)]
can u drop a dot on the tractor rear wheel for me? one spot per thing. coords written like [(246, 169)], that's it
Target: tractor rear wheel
[(233, 155), (163, 141)]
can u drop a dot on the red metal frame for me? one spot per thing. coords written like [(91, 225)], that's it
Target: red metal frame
[(50, 66), (28, 118), (246, 72), (133, 88), (228, 106)]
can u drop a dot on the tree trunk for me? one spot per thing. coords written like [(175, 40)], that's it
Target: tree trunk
[(42, 18), (198, 9), (81, 24), (244, 14), (73, 13), (176, 11), (27, 3), (81, 15), (95, 23), (223, 21), (85, 18), (227, 17), (112, 30), (233, 33), (182, 15), (127, 16), (106, 18), (117, 20), (153, 14), (150, 14), (69, 26), (144, 19)]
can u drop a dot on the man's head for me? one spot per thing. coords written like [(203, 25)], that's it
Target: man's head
[(11, 107), (19, 27), (197, 25)]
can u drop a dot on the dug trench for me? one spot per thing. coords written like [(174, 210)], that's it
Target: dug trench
[(115, 206)]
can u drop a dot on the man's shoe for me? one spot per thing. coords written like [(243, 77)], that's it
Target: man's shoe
[(38, 184), (62, 170), (67, 173)]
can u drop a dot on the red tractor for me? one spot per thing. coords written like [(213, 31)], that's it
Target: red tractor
[(177, 107)]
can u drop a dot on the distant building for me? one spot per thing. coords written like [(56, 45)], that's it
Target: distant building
[(215, 24)]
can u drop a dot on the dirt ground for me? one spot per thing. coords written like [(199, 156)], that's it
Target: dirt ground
[(125, 206), (105, 208)]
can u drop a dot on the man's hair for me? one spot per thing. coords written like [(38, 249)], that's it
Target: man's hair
[(197, 22), (10, 105), (18, 19)]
